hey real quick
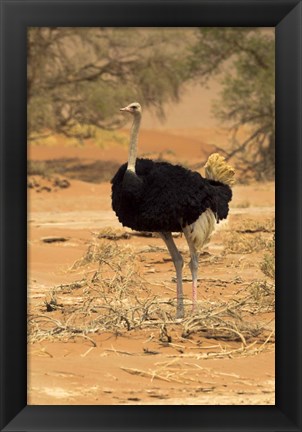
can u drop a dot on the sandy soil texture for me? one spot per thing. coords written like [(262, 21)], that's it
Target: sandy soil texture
[(101, 298)]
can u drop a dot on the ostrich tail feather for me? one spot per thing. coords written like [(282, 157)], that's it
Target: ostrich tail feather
[(217, 169)]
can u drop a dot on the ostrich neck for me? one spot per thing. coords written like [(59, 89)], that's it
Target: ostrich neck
[(133, 143)]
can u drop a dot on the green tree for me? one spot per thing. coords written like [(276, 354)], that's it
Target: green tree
[(84, 75), (246, 59)]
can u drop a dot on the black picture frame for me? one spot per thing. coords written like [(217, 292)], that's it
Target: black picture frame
[(16, 16)]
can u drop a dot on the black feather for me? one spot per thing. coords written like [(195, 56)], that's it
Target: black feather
[(164, 197)]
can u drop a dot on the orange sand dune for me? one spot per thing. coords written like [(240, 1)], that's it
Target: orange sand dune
[(95, 369), (179, 147)]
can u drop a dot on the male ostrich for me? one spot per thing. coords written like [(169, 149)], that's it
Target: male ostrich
[(165, 198)]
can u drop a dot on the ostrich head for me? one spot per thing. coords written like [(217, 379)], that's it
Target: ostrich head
[(133, 108)]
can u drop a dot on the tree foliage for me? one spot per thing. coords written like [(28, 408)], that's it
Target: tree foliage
[(246, 59), (84, 75)]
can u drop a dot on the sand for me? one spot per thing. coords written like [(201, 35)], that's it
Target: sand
[(138, 366)]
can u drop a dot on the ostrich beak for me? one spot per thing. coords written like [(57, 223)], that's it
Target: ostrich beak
[(125, 109)]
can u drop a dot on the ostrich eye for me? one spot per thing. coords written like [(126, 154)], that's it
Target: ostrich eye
[(134, 107)]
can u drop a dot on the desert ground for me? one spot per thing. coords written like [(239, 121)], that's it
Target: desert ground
[(101, 298)]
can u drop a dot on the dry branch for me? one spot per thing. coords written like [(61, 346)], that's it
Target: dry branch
[(115, 298)]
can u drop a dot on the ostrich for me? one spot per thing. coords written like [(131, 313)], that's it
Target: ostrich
[(165, 198)]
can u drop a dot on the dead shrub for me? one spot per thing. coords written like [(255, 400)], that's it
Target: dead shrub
[(238, 243), (251, 226), (268, 263), (115, 298)]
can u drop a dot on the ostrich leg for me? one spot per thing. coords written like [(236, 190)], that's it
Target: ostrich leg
[(178, 263), (194, 269)]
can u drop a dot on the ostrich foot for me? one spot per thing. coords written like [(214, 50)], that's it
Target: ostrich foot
[(180, 313), (180, 310)]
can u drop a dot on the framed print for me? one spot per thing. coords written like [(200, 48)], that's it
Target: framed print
[(107, 321)]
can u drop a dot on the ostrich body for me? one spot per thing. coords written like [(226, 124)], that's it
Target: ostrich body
[(165, 198)]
